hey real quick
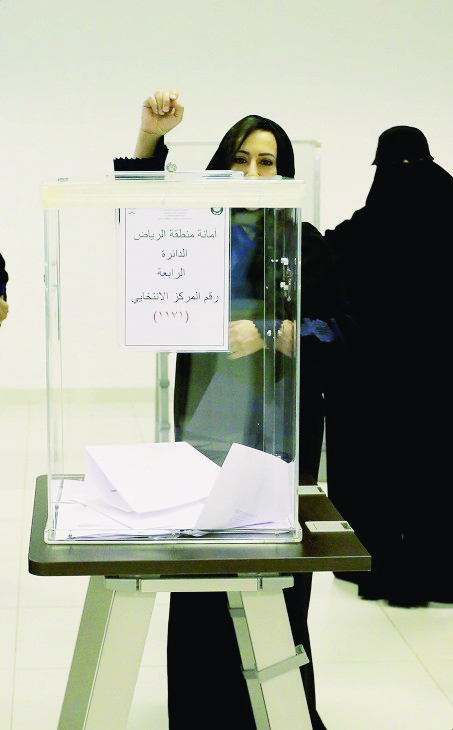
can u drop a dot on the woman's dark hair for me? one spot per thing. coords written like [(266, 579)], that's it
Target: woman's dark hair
[(224, 156)]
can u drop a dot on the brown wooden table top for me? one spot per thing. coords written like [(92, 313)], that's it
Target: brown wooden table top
[(336, 551)]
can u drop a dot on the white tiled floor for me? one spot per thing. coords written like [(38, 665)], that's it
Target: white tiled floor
[(377, 667)]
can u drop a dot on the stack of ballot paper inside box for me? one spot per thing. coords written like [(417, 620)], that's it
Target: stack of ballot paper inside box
[(161, 489)]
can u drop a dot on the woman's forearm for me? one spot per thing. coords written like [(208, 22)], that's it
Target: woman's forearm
[(146, 144)]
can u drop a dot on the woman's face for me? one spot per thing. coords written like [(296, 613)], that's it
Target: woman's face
[(257, 155)]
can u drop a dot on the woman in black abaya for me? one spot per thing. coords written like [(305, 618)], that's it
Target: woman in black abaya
[(388, 470), (203, 657)]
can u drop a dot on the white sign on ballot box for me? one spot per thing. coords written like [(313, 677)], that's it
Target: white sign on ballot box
[(175, 279)]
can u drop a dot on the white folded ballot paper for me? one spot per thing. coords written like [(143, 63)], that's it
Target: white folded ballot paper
[(250, 489), (149, 477), (153, 489)]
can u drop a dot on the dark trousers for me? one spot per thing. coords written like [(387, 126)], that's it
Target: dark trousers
[(206, 688)]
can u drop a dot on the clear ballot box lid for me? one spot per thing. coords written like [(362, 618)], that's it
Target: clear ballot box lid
[(174, 190), (190, 155), (172, 338)]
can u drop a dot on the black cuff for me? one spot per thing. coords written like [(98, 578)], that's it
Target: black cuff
[(143, 164)]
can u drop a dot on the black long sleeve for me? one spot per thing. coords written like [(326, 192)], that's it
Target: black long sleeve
[(143, 164), (3, 276)]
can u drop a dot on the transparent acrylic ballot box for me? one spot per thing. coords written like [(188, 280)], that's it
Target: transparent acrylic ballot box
[(200, 271)]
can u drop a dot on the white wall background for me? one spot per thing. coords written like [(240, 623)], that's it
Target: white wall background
[(73, 74)]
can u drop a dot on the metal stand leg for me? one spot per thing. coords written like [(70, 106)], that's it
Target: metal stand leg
[(163, 425), (107, 657), (113, 631), (270, 660)]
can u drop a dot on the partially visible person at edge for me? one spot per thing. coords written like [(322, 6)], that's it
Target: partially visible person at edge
[(258, 147), (3, 282), (388, 475)]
